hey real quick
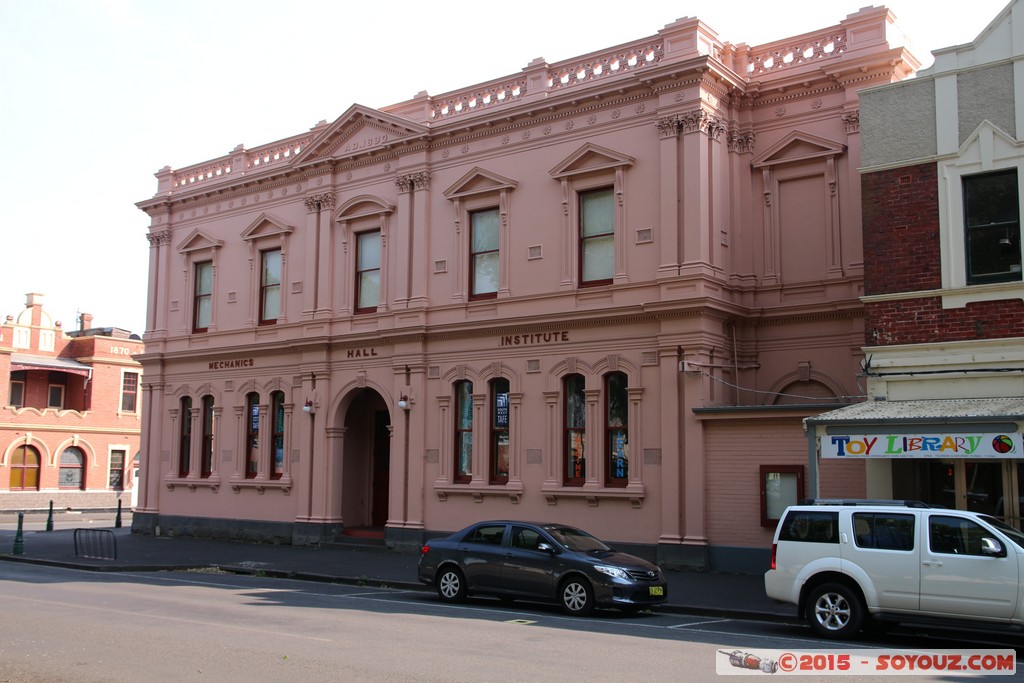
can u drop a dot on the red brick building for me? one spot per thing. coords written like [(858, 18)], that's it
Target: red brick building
[(942, 172), (69, 412)]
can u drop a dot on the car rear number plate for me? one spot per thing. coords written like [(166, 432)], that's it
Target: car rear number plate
[(657, 590)]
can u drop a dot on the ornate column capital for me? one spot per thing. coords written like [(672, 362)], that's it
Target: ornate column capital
[(160, 238), (851, 120), (319, 202), (668, 128)]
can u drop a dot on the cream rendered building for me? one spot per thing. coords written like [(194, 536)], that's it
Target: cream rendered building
[(605, 291)]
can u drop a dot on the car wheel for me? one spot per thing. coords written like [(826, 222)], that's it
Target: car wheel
[(577, 596), (835, 611), (451, 585)]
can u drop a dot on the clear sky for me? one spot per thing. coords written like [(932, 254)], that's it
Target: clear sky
[(97, 95)]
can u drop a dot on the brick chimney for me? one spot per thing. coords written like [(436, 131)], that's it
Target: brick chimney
[(85, 321)]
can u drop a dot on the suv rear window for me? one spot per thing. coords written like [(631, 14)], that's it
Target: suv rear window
[(810, 527), (883, 530)]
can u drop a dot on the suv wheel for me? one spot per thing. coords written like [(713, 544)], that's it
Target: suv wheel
[(835, 611)]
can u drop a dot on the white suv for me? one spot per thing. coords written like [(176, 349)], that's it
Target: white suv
[(843, 563)]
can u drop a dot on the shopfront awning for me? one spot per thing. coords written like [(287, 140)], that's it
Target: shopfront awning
[(24, 361), (933, 411)]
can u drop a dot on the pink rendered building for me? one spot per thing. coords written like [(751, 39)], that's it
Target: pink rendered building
[(605, 292), (70, 413)]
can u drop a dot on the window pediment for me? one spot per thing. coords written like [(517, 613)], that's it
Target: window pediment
[(361, 207), (199, 241), (798, 146), (265, 226), (588, 159), (479, 181)]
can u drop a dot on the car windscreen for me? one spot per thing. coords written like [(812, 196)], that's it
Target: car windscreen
[(576, 540), (1014, 535)]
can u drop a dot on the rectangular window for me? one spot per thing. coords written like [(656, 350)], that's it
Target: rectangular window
[(129, 392), (252, 435), (206, 455), (185, 437), (270, 287), (499, 431), (597, 237), (116, 478), (575, 430), (55, 396), (367, 271), (202, 298), (483, 257), (277, 434), (992, 227), (781, 486), (17, 397), (463, 432), (616, 386)]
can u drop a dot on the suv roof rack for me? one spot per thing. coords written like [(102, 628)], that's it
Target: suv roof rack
[(866, 501)]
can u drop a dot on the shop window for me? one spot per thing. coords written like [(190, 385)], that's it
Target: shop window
[(252, 434), (574, 429), (129, 392), (202, 296), (185, 437), (206, 454), (463, 432), (781, 486), (616, 434), (368, 260), (499, 451), (992, 227), (270, 286), (116, 477), (24, 466), (597, 237), (277, 434), (72, 469), (484, 263)]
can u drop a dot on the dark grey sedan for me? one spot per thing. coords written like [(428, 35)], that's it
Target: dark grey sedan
[(546, 562)]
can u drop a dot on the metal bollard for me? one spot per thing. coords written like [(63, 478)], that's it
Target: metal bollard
[(19, 541), (117, 520), (49, 519)]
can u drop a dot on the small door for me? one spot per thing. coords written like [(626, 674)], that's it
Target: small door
[(381, 468), (526, 570)]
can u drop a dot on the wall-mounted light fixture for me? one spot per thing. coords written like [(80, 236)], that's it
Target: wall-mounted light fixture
[(404, 402), (309, 407)]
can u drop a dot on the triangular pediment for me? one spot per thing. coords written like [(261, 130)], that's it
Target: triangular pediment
[(590, 158), (265, 226), (997, 42), (479, 181), (360, 130), (987, 144), (798, 146), (198, 241)]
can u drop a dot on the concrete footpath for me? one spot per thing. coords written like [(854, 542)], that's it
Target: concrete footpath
[(700, 593)]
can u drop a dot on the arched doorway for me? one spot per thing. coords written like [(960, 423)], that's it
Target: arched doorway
[(366, 462)]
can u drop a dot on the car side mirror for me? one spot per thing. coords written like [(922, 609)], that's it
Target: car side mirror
[(545, 547), (992, 547)]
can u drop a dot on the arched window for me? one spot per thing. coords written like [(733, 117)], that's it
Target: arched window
[(463, 432), (574, 429), (206, 457), (252, 435), (499, 442), (72, 469), (277, 434), (185, 437), (25, 469), (616, 433)]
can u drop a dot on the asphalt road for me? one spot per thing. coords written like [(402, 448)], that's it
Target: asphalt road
[(69, 625)]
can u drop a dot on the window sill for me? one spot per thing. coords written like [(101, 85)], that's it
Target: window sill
[(594, 493), (284, 484), (212, 483), (513, 489)]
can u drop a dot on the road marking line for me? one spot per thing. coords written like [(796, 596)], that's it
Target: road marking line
[(524, 622), (701, 623)]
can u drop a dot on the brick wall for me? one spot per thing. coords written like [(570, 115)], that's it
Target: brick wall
[(901, 230), (919, 321)]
